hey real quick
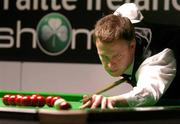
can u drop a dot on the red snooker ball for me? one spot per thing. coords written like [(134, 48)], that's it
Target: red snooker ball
[(5, 99), (34, 101), (65, 105), (11, 100), (35, 95), (18, 99), (26, 101), (41, 101), (48, 101), (54, 99)]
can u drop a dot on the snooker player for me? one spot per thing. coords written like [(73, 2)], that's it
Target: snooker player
[(122, 50)]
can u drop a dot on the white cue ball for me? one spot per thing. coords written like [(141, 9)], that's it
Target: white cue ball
[(58, 102)]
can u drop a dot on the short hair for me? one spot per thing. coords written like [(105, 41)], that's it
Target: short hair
[(112, 27)]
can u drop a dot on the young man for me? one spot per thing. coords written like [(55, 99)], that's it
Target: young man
[(121, 51)]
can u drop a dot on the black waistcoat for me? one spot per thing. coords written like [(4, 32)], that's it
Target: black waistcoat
[(141, 53)]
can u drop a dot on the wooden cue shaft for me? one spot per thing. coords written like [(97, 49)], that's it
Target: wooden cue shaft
[(108, 87)]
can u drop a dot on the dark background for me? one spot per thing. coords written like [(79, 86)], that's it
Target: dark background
[(79, 18)]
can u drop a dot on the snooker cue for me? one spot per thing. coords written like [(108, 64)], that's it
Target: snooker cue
[(108, 87)]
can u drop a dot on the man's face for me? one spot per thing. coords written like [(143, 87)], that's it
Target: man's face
[(117, 56)]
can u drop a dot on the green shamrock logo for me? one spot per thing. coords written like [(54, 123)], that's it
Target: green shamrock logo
[(54, 34)]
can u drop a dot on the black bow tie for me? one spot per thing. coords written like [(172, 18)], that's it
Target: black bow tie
[(127, 77)]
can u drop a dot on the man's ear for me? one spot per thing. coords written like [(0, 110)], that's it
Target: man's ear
[(133, 44)]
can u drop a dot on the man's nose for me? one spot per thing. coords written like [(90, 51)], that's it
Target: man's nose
[(111, 65)]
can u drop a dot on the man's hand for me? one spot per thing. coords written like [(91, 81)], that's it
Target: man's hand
[(103, 102)]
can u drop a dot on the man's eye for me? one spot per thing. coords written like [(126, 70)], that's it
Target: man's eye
[(118, 56)]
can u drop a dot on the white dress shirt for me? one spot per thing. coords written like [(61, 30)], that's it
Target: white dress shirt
[(153, 76)]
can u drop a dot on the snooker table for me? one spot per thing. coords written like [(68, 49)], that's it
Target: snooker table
[(166, 111)]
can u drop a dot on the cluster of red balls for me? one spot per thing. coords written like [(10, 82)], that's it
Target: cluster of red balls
[(24, 100), (34, 100)]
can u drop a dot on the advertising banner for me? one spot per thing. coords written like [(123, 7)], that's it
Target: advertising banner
[(62, 30)]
